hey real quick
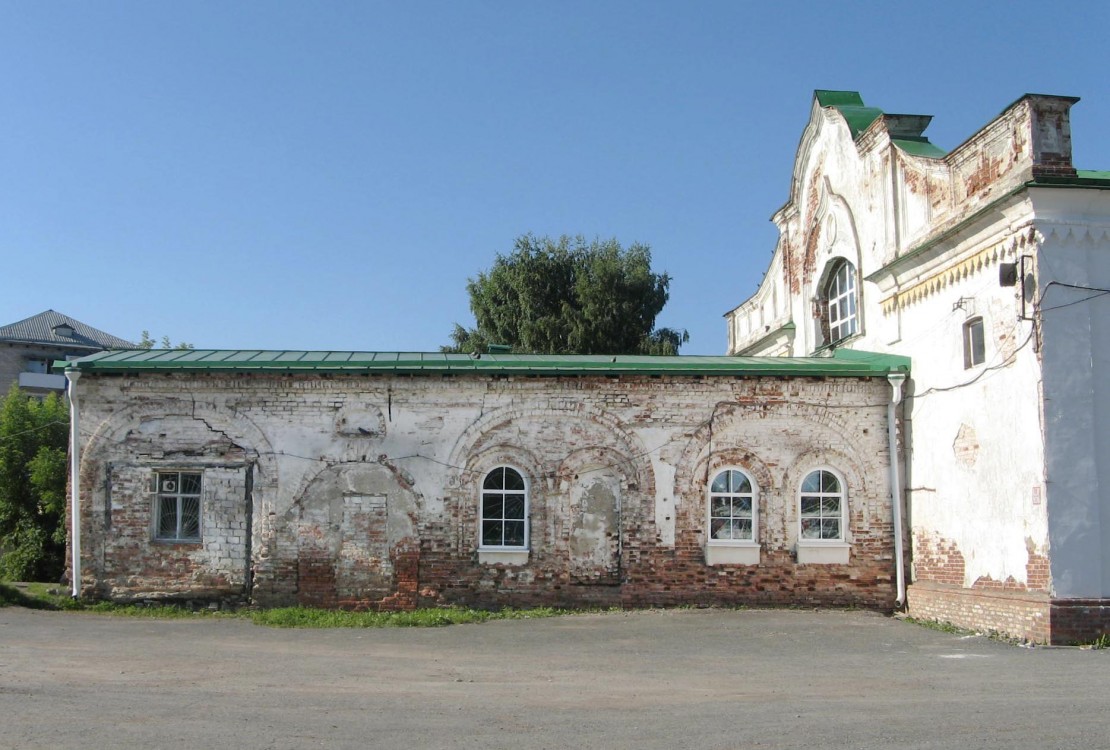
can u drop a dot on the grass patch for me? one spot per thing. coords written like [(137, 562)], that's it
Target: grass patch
[(36, 596), (1103, 641), (10, 596)]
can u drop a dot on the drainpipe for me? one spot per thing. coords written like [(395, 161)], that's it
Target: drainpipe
[(896, 379), (75, 479)]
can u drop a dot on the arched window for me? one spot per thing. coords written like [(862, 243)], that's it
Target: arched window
[(841, 315), (821, 506), (504, 523), (733, 516), (732, 512)]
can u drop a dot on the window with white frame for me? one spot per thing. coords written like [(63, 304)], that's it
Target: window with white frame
[(975, 345), (504, 522), (732, 507), (841, 302), (177, 506), (821, 507)]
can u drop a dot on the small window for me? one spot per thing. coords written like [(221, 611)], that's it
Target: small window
[(975, 348), (37, 366), (504, 521), (841, 314), (731, 507), (177, 508), (821, 507)]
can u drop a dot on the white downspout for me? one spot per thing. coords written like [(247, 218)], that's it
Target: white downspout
[(896, 379), (75, 479)]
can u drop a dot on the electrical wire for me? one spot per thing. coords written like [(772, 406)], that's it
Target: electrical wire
[(1098, 292), (48, 425), (981, 374)]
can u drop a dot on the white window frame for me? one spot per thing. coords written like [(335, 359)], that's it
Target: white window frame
[(731, 551), (505, 554), (816, 550), (167, 486), (841, 287), (970, 352)]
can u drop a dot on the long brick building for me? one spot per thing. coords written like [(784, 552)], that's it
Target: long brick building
[(391, 481)]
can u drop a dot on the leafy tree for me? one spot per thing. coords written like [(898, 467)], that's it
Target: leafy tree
[(146, 342), (33, 438), (568, 296)]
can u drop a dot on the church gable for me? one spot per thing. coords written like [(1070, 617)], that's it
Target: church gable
[(869, 189)]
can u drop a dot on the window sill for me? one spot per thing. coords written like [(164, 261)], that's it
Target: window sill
[(732, 553), (502, 556), (823, 553)]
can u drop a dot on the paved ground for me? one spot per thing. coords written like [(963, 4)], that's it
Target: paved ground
[(658, 679)]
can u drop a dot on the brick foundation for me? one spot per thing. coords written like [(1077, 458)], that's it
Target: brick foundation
[(1019, 614)]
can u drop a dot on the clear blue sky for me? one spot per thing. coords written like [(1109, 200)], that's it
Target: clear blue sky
[(328, 175)]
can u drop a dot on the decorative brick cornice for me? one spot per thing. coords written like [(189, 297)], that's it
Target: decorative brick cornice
[(958, 271)]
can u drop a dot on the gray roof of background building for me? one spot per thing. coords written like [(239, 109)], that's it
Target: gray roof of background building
[(40, 329)]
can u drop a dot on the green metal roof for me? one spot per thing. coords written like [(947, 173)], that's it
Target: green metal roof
[(843, 363), (919, 148), (850, 104), (1084, 178), (860, 117)]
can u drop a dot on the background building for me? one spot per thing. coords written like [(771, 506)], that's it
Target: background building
[(29, 348)]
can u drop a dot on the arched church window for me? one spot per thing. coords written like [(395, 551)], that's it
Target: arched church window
[(841, 313)]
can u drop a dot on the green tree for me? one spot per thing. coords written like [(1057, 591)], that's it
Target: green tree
[(33, 441), (146, 342), (569, 296)]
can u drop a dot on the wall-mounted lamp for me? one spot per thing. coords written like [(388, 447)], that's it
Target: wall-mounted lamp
[(1008, 275)]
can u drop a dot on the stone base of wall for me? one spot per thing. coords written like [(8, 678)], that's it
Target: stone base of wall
[(1024, 614), (1029, 615), (1079, 620)]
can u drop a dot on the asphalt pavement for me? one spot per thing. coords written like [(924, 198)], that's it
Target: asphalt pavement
[(645, 679)]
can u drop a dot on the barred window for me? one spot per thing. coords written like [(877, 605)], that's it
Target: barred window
[(177, 507), (504, 521)]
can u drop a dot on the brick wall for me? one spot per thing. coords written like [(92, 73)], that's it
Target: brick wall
[(1020, 614), (362, 491)]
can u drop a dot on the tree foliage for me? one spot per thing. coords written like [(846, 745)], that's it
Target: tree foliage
[(33, 438), (146, 342), (569, 296)]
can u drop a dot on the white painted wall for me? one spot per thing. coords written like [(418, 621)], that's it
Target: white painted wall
[(1076, 332), (976, 466)]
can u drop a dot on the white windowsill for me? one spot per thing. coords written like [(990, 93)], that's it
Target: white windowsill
[(823, 553), (502, 556), (732, 553)]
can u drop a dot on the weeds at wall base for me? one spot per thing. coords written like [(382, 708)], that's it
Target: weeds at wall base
[(47, 597)]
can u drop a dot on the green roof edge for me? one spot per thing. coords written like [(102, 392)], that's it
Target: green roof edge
[(842, 364)]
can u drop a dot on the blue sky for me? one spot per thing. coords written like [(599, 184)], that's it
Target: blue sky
[(329, 175)]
